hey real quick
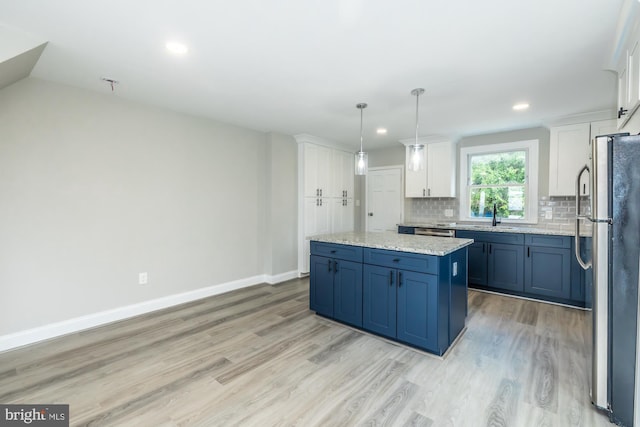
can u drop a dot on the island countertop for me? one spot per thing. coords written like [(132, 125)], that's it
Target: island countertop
[(428, 245)]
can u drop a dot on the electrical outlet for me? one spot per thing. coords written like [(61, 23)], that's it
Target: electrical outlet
[(357, 202), (448, 213), (143, 278), (548, 215)]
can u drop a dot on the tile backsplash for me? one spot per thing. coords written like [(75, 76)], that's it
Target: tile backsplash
[(563, 211)]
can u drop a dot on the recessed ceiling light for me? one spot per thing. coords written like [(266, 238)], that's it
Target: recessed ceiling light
[(521, 106), (177, 48), (381, 131)]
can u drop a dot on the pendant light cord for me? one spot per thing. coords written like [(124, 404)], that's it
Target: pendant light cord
[(361, 130), (417, 106)]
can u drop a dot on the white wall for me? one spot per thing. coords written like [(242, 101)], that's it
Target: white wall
[(95, 189)]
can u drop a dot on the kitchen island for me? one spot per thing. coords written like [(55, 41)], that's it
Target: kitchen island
[(411, 289)]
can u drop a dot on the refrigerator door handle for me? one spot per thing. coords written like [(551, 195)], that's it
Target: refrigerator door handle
[(583, 264)]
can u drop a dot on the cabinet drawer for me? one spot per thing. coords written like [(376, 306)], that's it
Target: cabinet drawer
[(548, 241), (403, 260), (332, 250), (489, 237)]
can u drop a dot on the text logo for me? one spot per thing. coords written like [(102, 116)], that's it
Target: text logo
[(34, 415)]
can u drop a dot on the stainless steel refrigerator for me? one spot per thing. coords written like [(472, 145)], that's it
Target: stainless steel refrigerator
[(615, 218)]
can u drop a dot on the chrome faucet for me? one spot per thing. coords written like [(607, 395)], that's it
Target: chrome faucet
[(495, 217)]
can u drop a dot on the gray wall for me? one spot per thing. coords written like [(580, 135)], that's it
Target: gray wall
[(539, 133), (281, 247), (96, 189)]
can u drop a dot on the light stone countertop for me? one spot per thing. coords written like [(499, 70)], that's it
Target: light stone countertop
[(500, 228), (428, 245)]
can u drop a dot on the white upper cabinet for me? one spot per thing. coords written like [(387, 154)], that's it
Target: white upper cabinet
[(327, 205), (569, 151), (342, 174), (317, 170), (415, 182), (438, 178), (603, 127), (441, 169)]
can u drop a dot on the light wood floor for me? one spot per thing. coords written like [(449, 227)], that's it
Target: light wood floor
[(259, 357)]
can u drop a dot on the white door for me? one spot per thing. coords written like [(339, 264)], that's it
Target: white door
[(385, 201)]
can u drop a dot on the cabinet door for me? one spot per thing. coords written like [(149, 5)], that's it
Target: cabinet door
[(568, 153), (633, 75), (603, 127), (347, 292), (321, 285), (441, 162), (415, 182), (341, 215), (418, 309), (379, 300), (505, 269), (623, 91), (342, 174), (548, 272), (317, 164), (317, 219), (478, 263)]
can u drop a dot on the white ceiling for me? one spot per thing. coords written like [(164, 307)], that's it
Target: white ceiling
[(301, 66)]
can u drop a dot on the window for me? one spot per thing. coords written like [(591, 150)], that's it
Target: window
[(502, 174)]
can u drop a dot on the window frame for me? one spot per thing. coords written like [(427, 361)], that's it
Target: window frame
[(531, 148)]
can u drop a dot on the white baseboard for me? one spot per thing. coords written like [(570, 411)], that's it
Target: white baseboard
[(30, 336), (282, 277)]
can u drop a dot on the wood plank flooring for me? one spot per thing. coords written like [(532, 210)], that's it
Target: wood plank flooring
[(259, 357)]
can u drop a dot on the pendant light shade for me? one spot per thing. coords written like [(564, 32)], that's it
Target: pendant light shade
[(417, 150), (361, 160)]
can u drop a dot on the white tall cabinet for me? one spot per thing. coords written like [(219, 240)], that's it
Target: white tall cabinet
[(438, 177), (569, 151), (326, 203)]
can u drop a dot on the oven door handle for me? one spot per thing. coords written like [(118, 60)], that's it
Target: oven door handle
[(435, 232)]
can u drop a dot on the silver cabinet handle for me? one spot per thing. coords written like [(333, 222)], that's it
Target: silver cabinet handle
[(429, 192), (424, 192)]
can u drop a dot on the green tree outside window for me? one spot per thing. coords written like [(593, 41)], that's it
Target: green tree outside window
[(498, 178)]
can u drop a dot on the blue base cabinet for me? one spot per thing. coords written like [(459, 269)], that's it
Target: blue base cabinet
[(379, 299), (548, 266), (335, 282), (532, 265), (504, 269), (321, 285), (416, 325), (347, 292), (419, 300), (478, 252)]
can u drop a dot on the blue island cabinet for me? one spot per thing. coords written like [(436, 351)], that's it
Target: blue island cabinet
[(416, 299), (335, 283), (420, 300)]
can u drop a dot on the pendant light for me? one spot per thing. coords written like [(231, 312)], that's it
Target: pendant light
[(416, 149), (361, 157)]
